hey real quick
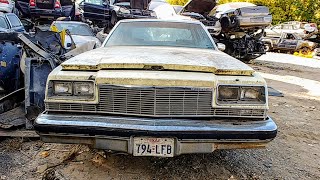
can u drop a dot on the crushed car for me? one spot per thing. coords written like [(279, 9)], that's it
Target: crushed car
[(302, 29), (156, 88), (25, 62), (289, 42), (238, 25)]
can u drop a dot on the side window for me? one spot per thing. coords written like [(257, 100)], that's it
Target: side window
[(96, 2), (3, 23), (14, 21)]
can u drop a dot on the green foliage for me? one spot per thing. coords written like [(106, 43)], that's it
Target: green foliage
[(282, 10), (177, 2)]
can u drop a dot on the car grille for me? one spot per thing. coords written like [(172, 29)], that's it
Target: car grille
[(156, 102)]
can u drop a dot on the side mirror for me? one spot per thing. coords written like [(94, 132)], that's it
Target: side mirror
[(221, 46)]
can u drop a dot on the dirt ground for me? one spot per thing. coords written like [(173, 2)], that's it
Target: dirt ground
[(294, 154)]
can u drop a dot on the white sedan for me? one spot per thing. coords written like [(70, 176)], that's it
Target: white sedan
[(80, 32)]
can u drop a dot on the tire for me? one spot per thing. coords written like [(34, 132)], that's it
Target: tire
[(267, 47), (229, 23), (113, 19), (225, 24)]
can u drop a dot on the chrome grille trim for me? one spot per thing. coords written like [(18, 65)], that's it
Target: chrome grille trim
[(156, 102)]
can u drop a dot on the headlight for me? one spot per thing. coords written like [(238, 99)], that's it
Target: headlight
[(83, 88), (124, 11), (241, 94), (77, 90), (228, 93), (62, 88), (250, 93)]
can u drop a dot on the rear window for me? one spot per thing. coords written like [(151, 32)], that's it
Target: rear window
[(14, 21), (3, 23)]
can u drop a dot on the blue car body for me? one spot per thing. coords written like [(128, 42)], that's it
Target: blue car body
[(11, 23)]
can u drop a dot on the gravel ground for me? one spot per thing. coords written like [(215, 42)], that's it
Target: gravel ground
[(294, 154)]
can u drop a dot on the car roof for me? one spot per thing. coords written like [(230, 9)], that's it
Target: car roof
[(162, 20)]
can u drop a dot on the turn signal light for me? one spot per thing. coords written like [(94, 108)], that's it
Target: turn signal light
[(32, 3), (57, 4)]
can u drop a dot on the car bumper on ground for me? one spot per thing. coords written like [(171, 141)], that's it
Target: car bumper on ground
[(190, 136)]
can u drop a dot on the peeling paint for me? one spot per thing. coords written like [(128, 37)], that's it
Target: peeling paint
[(181, 59)]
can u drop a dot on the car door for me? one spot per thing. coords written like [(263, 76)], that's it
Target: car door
[(288, 41), (15, 23), (94, 9)]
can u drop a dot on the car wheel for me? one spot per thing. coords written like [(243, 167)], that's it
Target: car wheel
[(267, 47), (114, 19), (225, 23)]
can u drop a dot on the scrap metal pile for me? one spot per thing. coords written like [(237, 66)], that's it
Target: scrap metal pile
[(239, 26), (26, 61)]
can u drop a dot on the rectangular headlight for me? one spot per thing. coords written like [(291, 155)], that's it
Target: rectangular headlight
[(71, 89), (62, 88), (83, 88), (229, 94)]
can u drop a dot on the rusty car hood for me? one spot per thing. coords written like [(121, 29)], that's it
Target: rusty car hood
[(158, 58), (199, 6)]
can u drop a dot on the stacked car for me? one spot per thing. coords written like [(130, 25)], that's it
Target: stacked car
[(238, 25)]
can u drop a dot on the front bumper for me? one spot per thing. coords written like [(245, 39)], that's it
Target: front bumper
[(191, 136)]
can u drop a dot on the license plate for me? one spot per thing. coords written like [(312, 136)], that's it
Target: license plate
[(148, 146), (259, 19)]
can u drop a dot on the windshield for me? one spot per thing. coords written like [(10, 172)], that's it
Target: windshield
[(173, 34), (75, 29)]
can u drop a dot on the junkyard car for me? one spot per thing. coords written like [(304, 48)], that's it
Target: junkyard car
[(9, 22), (46, 9), (80, 32), (157, 88), (302, 29), (289, 42), (238, 25), (101, 12), (6, 6)]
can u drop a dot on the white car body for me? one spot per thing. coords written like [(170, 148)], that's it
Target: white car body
[(6, 7), (79, 40), (300, 28)]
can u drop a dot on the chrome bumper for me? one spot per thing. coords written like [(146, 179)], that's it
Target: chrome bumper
[(248, 21), (191, 136)]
